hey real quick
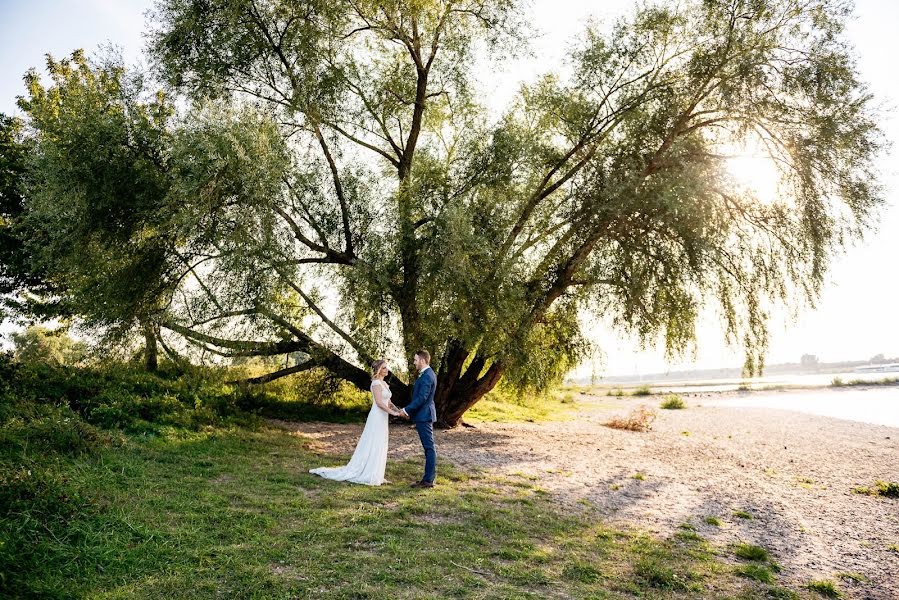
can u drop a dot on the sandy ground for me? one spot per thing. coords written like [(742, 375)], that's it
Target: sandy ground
[(793, 472)]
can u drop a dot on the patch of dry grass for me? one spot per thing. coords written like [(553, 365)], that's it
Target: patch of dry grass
[(639, 419)]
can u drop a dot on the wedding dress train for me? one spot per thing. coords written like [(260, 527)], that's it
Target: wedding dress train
[(369, 460)]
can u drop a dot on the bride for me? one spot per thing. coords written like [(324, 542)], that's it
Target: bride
[(370, 457)]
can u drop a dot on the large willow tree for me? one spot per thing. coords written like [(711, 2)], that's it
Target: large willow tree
[(339, 190)]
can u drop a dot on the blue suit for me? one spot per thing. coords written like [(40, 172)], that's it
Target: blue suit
[(422, 411)]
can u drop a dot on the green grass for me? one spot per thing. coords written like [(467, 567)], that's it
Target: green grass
[(825, 588), (780, 593), (761, 569), (643, 390), (838, 382), (503, 406), (881, 381), (710, 520), (755, 572), (750, 552), (673, 402), (742, 514), (850, 576), (200, 499), (234, 513)]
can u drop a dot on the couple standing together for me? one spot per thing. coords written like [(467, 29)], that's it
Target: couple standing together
[(370, 457)]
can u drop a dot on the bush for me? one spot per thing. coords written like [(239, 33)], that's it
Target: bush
[(673, 402), (640, 419), (52, 429), (119, 396), (881, 488), (643, 390)]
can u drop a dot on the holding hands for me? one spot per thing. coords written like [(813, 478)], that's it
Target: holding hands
[(398, 412)]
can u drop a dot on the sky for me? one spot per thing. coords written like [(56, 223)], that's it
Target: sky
[(858, 312)]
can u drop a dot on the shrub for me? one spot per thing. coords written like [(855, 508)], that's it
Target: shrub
[(887, 489), (643, 390), (640, 419), (120, 396), (673, 402), (881, 488), (52, 429)]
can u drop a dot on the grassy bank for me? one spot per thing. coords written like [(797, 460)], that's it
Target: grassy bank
[(191, 496)]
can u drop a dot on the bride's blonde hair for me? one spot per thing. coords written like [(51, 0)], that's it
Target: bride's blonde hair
[(376, 367)]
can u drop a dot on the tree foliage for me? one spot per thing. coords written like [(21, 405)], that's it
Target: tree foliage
[(340, 190), (98, 222), (39, 344), (16, 273)]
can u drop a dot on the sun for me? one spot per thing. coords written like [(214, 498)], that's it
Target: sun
[(753, 171)]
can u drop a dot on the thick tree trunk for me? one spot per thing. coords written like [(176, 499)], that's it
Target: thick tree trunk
[(151, 351), (457, 391)]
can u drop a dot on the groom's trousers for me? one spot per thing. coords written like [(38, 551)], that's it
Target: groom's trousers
[(426, 435)]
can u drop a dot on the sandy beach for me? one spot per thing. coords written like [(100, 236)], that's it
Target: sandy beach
[(793, 472)]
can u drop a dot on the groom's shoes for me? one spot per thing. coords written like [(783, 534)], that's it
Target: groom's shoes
[(423, 484)]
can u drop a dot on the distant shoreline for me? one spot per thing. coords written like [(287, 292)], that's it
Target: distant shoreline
[(779, 370)]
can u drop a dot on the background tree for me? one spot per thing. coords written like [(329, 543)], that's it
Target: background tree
[(97, 220), (338, 190), (39, 344), (17, 277)]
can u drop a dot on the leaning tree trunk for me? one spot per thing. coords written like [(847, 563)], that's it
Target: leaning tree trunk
[(458, 389)]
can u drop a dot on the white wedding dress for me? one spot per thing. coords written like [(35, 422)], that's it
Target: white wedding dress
[(370, 457)]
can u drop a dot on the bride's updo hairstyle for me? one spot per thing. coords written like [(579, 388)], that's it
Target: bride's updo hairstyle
[(376, 367)]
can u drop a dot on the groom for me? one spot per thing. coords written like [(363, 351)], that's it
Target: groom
[(421, 410)]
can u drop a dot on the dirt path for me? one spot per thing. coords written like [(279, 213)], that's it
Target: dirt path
[(793, 472)]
